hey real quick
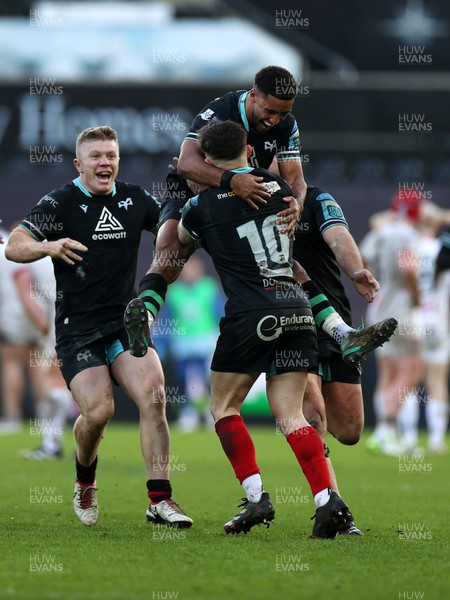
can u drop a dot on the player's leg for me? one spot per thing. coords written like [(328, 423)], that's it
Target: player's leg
[(314, 405), (52, 411), (285, 394), (408, 374), (14, 359), (345, 410), (385, 375), (143, 382), (170, 257), (84, 367), (315, 410), (228, 391), (355, 343), (92, 391), (437, 408), (403, 368), (408, 417)]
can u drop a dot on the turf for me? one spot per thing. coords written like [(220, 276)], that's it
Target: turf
[(47, 554)]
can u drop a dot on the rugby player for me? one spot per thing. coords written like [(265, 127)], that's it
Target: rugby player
[(91, 229), (324, 245), (268, 327)]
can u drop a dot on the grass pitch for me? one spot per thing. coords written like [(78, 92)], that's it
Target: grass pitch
[(400, 504)]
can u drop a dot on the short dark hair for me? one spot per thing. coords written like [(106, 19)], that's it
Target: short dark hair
[(103, 132), (277, 82), (223, 140)]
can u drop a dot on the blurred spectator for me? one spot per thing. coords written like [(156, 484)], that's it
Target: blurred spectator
[(390, 250), (434, 318), (195, 304), (443, 258), (55, 404), (24, 321)]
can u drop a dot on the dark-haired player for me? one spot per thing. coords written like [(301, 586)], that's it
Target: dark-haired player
[(272, 133), (91, 228), (268, 327)]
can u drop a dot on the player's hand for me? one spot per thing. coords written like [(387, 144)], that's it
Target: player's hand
[(249, 188), (66, 250), (172, 167), (365, 284), (289, 216)]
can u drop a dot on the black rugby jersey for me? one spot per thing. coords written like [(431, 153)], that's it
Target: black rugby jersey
[(281, 140), (251, 256), (95, 291), (320, 212)]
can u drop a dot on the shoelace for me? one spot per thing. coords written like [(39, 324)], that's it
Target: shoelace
[(85, 496), (174, 507)]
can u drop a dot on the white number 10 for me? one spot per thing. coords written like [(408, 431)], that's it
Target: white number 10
[(270, 247)]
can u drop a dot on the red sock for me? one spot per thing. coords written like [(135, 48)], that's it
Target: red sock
[(238, 446), (308, 449)]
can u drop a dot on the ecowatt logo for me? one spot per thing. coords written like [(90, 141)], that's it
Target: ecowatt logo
[(109, 227)]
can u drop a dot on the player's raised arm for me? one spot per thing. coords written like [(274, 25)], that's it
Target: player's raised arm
[(292, 172), (350, 261)]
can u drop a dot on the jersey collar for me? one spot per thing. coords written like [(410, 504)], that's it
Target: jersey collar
[(242, 170), (78, 183), (242, 112)]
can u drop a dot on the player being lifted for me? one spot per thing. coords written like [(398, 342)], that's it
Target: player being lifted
[(272, 132), (268, 327)]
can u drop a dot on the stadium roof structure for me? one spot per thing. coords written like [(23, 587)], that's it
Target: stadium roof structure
[(135, 42)]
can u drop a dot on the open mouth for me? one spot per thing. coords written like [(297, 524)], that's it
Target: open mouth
[(104, 176), (267, 124)]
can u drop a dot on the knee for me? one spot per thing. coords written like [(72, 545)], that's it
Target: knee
[(349, 439), (100, 415), (349, 434), (317, 419), (153, 399), (152, 406)]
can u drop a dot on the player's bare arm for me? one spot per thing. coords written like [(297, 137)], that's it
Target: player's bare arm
[(191, 165), (23, 248), (290, 215), (350, 261), (292, 172)]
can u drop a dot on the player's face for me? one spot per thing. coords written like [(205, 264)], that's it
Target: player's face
[(266, 111), (98, 165)]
